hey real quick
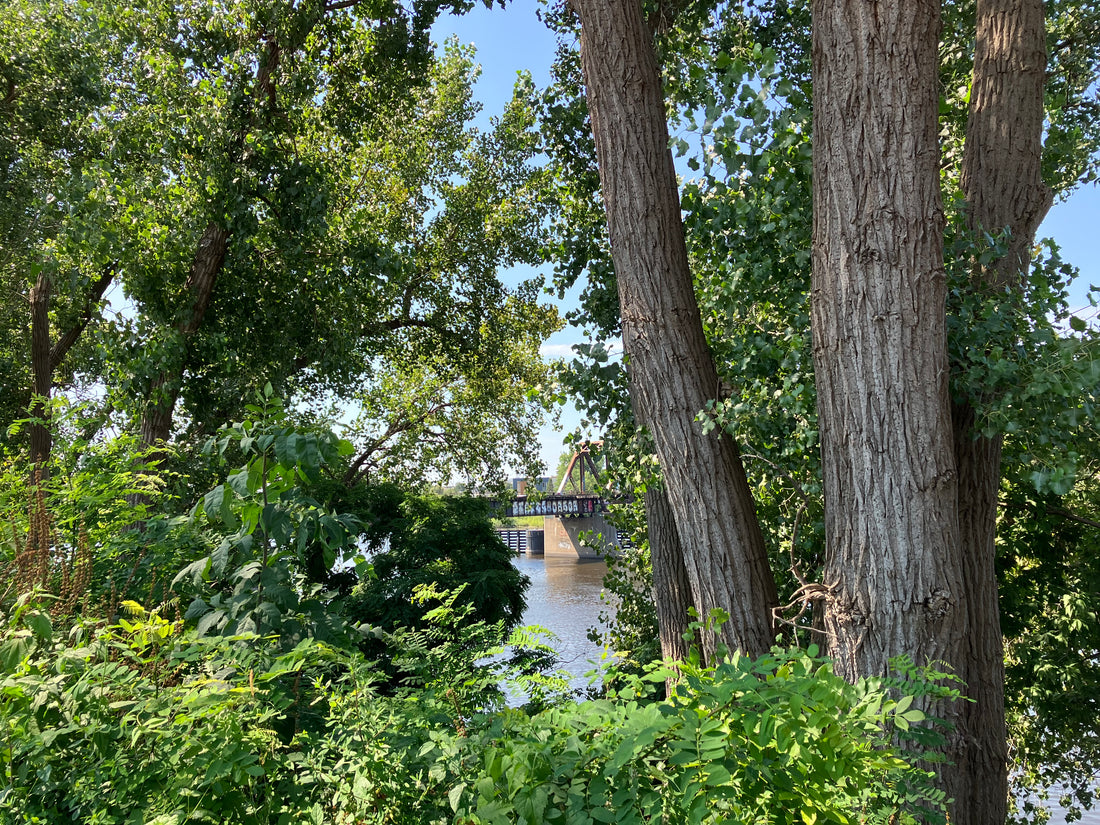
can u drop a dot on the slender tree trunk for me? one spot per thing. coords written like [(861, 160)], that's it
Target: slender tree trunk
[(979, 783), (46, 358), (1002, 183), (672, 373), (40, 435), (671, 588), (879, 338)]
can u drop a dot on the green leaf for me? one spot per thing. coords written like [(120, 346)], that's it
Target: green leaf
[(219, 559), (239, 482), (455, 796), (210, 621), (212, 502), (40, 625)]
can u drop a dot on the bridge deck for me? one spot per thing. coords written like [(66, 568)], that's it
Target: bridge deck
[(555, 505)]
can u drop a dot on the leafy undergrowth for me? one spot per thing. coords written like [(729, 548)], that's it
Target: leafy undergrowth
[(144, 721)]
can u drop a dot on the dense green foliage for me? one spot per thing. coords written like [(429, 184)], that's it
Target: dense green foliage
[(738, 88), (1050, 589), (446, 541), (364, 222), (252, 692), (263, 621), (261, 525), (87, 503), (147, 721)]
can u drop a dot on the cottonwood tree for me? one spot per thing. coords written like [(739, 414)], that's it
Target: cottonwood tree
[(671, 372), (880, 354), (264, 242), (1006, 197), (750, 292), (879, 332), (725, 233), (65, 182), (262, 84), (272, 216), (1048, 459), (894, 565)]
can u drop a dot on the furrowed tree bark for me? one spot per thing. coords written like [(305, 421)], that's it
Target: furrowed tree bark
[(879, 338), (1002, 183), (672, 373), (671, 588)]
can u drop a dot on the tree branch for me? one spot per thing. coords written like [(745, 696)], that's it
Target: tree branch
[(396, 324), (402, 424), (12, 92), (1067, 514), (10, 95), (69, 337)]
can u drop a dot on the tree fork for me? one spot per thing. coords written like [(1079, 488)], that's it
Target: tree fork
[(46, 358), (672, 373)]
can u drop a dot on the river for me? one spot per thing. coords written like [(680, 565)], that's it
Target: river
[(565, 599)]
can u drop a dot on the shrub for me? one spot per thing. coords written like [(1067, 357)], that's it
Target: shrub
[(139, 722), (146, 722), (781, 739), (446, 542)]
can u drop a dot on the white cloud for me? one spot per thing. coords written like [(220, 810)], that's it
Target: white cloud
[(556, 350), (614, 348)]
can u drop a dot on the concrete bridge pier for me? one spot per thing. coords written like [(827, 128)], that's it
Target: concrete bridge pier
[(562, 536)]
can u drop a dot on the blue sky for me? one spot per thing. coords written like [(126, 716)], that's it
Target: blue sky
[(513, 39)]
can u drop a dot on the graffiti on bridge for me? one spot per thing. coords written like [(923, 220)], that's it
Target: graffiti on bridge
[(565, 506)]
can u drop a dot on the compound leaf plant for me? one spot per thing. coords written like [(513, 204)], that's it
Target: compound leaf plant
[(263, 525)]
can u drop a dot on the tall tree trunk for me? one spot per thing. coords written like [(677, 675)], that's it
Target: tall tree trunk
[(1001, 172), (1001, 179), (160, 401), (879, 338), (156, 420), (45, 359), (672, 372)]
